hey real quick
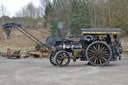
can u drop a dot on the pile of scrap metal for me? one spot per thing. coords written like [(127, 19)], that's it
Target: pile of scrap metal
[(9, 54), (38, 53)]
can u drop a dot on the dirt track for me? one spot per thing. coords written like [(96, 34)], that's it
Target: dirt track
[(41, 72)]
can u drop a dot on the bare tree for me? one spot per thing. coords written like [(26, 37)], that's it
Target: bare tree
[(3, 12), (44, 4), (31, 15)]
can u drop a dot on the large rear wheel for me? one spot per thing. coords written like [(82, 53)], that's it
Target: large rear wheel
[(98, 53)]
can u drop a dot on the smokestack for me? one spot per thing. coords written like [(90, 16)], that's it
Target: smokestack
[(60, 26), (60, 34)]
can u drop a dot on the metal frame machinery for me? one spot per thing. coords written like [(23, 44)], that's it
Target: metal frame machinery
[(97, 46)]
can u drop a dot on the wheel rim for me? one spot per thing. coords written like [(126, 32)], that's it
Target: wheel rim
[(98, 53), (62, 58)]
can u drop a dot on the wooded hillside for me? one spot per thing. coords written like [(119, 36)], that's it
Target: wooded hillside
[(75, 14)]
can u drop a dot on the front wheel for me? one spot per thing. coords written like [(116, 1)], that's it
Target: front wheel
[(52, 58), (62, 58), (98, 53)]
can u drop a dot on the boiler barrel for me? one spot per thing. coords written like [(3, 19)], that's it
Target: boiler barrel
[(69, 47)]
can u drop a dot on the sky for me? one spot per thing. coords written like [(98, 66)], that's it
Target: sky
[(13, 6)]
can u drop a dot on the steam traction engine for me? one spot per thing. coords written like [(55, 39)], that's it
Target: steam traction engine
[(97, 46)]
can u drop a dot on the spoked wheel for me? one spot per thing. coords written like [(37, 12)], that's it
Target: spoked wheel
[(98, 53), (52, 58), (62, 58)]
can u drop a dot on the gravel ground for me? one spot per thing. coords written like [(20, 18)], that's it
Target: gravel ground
[(41, 72)]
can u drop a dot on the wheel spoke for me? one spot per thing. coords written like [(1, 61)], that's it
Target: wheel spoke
[(104, 58), (106, 54), (102, 49), (92, 51), (105, 50), (95, 48), (59, 61), (95, 60), (98, 47), (91, 57), (65, 61), (100, 61)]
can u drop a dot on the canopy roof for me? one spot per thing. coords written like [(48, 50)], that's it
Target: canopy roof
[(101, 31)]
